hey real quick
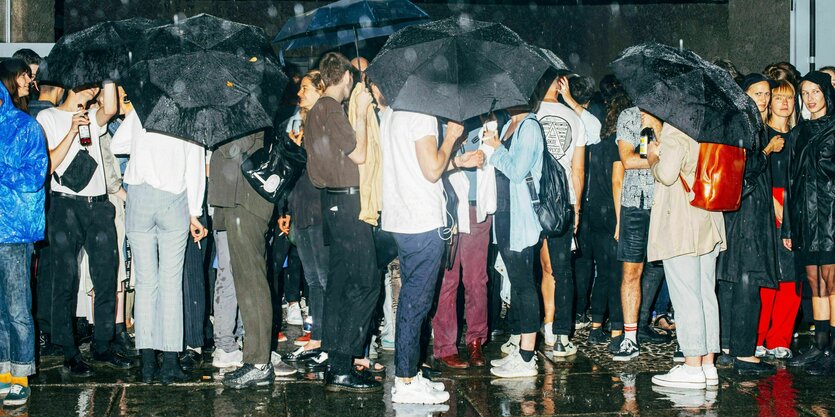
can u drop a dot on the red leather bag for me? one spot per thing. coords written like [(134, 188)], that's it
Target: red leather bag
[(719, 176)]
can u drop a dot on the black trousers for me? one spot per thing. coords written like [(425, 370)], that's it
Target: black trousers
[(584, 269), (43, 291), (195, 276), (598, 250), (739, 316), (559, 249), (353, 284), (651, 281), (494, 289), (74, 225), (524, 295)]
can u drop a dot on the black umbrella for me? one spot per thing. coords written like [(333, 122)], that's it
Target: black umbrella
[(457, 69), (695, 96), (206, 80), (556, 62), (95, 54)]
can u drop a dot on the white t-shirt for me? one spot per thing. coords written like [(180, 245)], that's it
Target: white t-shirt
[(163, 162), (411, 204), (564, 131), (56, 123)]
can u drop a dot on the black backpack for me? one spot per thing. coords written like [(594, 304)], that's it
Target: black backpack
[(553, 203)]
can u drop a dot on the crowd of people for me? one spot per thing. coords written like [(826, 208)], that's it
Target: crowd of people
[(113, 222)]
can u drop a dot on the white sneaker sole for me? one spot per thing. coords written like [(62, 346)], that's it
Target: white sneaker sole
[(625, 358), (678, 384), (224, 365), (295, 322), (442, 397), (15, 402), (564, 354), (519, 374)]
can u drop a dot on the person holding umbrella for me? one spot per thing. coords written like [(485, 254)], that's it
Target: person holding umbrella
[(808, 229), (80, 215), (334, 150), (688, 239), (23, 167)]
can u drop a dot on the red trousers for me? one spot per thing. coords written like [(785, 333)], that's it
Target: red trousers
[(470, 264), (779, 309)]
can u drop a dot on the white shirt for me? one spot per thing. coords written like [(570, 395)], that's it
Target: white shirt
[(163, 162), (564, 131), (411, 204), (56, 123)]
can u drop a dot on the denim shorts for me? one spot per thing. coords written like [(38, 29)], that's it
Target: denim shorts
[(633, 235)]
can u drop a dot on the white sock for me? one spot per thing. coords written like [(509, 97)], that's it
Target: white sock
[(707, 366), (197, 349), (692, 370)]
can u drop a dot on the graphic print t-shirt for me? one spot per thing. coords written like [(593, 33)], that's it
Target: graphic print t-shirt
[(564, 131)]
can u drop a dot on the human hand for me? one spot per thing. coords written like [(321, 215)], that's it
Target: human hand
[(563, 87), (454, 130), (653, 152), (364, 99), (296, 137), (617, 232), (122, 194), (284, 224), (470, 159), (776, 144), (788, 244), (198, 231), (491, 139), (79, 119)]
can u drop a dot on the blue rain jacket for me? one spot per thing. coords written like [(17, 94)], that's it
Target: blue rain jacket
[(23, 165)]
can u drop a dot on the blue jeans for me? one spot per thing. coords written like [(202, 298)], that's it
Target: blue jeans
[(420, 266), (17, 327)]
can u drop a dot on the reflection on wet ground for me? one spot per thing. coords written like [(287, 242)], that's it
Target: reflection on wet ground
[(589, 384)]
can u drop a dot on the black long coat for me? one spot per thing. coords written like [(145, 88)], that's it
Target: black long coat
[(750, 232), (811, 192)]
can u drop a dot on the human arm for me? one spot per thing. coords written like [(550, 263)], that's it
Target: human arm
[(592, 126), (578, 168), (110, 103), (28, 172), (58, 153), (617, 192), (666, 159), (516, 163), (629, 158), (434, 161)]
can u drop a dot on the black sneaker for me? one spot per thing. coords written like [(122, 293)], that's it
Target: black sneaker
[(190, 360), (250, 376), (353, 381), (46, 347), (77, 367), (825, 365), (725, 360), (614, 344), (678, 356), (598, 336), (750, 368), (564, 348), (806, 358), (628, 350), (648, 335), (112, 359), (582, 321)]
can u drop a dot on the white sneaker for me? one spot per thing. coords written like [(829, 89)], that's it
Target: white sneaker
[(564, 347), (782, 353), (416, 392), (711, 376), (294, 315), (506, 359), (437, 386), (516, 368), (223, 359), (279, 367), (761, 352), (548, 334), (679, 377), (511, 344)]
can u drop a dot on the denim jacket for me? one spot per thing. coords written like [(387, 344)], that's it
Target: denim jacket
[(23, 165), (523, 157)]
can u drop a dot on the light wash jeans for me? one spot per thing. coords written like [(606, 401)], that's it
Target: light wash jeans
[(692, 284), (158, 228), (17, 327), (227, 320)]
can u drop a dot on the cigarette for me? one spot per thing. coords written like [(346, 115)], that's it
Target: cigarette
[(281, 234), (198, 245)]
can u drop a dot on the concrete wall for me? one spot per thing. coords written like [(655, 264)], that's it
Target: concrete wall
[(752, 33), (33, 20)]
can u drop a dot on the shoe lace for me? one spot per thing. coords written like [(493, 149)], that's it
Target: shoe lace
[(627, 344), (16, 389)]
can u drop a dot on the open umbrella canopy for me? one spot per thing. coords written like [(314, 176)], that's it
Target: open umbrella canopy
[(341, 37), (457, 69), (338, 20), (695, 96), (205, 79), (95, 54), (557, 64)]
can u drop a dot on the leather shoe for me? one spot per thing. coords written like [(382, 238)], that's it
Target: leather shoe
[(752, 368), (351, 382), (429, 372), (647, 335), (190, 360), (475, 353), (453, 361), (112, 359), (77, 367)]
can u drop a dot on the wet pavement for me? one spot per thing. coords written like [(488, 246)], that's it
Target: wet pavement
[(589, 384)]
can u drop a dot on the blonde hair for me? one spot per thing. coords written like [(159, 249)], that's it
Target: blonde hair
[(784, 87)]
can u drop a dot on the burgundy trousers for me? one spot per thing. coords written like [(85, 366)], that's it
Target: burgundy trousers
[(471, 265)]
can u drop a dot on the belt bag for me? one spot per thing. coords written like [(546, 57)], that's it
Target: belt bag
[(79, 173), (719, 177)]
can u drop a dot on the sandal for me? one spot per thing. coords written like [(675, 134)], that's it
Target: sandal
[(668, 323)]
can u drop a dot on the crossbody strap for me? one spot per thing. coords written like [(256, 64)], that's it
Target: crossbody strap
[(529, 181)]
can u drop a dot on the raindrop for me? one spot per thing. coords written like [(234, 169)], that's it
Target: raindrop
[(298, 9), (179, 86), (440, 63), (411, 55), (365, 21), (615, 6), (574, 58), (465, 21)]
